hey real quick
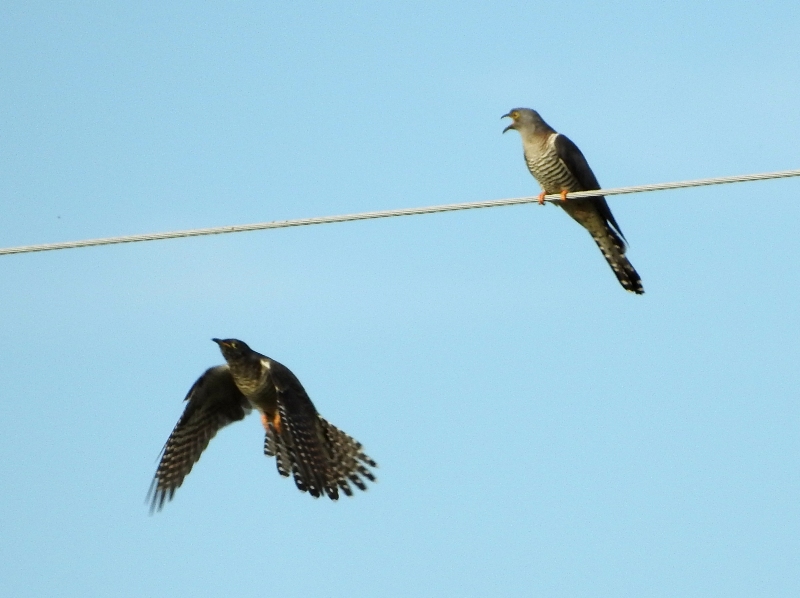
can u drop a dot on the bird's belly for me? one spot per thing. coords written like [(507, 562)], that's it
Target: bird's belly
[(552, 173), (265, 400)]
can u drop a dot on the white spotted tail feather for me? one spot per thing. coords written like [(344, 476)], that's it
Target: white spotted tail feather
[(321, 458), (613, 248), (348, 457)]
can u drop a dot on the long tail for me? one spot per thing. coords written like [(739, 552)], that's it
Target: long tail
[(348, 462), (613, 248), (334, 462)]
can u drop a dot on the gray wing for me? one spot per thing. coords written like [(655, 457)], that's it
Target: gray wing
[(213, 402), (575, 161)]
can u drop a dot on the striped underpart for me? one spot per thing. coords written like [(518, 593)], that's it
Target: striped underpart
[(551, 172)]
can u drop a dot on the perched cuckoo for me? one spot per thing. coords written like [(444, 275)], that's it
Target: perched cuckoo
[(322, 458), (560, 168)]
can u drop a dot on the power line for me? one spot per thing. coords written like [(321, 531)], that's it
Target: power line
[(219, 230)]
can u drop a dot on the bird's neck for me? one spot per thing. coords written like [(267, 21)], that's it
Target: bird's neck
[(538, 142)]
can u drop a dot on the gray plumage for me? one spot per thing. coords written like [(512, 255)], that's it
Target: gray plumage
[(559, 166), (321, 458)]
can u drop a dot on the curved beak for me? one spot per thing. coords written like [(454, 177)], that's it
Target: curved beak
[(511, 126)]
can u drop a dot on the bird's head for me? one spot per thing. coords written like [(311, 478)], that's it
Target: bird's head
[(232, 349), (526, 121)]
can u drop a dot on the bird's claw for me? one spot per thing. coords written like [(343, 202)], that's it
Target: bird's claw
[(540, 198), (563, 195)]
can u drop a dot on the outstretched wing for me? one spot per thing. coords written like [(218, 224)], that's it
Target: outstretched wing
[(213, 402), (321, 457), (574, 160)]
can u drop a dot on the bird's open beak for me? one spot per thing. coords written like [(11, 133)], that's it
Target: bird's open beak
[(511, 126)]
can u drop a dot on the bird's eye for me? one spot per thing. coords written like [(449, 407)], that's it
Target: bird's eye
[(515, 115), (234, 345)]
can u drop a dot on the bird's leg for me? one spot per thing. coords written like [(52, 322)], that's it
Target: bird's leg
[(274, 419), (563, 195), (540, 198)]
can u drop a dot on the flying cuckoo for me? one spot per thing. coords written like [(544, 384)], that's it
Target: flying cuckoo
[(560, 168), (322, 458)]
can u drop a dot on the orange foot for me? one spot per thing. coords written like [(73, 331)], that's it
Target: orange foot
[(563, 195), (540, 198)]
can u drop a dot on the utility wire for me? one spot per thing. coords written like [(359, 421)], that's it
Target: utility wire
[(219, 230)]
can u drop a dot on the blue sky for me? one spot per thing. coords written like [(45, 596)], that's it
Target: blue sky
[(539, 431)]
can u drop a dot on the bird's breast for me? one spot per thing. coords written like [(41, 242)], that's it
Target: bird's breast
[(551, 172), (265, 398)]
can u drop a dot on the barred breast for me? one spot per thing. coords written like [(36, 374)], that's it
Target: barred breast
[(548, 169)]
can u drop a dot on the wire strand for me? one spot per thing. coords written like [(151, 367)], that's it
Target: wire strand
[(220, 230)]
